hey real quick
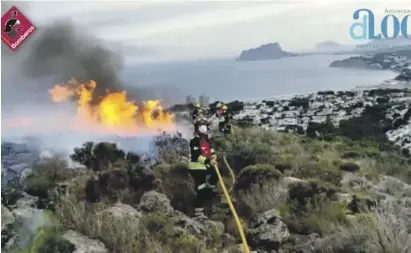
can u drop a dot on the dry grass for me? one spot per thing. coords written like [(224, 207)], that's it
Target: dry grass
[(151, 233), (89, 219), (383, 231), (261, 199), (306, 159)]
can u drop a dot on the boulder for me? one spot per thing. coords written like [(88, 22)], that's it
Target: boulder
[(84, 244), (153, 201), (25, 213), (123, 213), (26, 201), (196, 226), (343, 197), (28, 221), (7, 222), (300, 244), (267, 231), (7, 217)]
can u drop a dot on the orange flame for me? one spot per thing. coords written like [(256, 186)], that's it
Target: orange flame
[(113, 112)]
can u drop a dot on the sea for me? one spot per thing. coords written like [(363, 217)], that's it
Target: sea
[(223, 79), (227, 79)]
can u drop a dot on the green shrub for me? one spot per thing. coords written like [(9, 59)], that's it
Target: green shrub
[(257, 174), (350, 155), (320, 216), (46, 175), (99, 156), (306, 191), (264, 197), (56, 244), (188, 243), (257, 146), (176, 184), (10, 194), (324, 170), (157, 225), (126, 185), (320, 186), (350, 167)]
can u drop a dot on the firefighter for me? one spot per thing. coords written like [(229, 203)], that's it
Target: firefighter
[(203, 120), (224, 118), (197, 111), (202, 167)]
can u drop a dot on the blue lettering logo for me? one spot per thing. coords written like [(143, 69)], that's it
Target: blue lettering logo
[(365, 26)]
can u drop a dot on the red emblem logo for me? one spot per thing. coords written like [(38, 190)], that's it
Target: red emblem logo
[(16, 28)]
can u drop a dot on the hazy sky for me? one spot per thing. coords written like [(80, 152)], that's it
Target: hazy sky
[(197, 29)]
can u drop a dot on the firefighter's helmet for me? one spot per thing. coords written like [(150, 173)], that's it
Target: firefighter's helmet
[(200, 120)]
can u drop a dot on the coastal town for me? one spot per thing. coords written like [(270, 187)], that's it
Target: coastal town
[(297, 113)]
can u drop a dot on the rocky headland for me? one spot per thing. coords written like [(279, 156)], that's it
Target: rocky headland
[(398, 61), (268, 51)]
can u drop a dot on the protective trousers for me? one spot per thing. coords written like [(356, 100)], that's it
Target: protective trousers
[(205, 184)]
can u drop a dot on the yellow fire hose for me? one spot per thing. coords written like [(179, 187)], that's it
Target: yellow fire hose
[(233, 211), (231, 173)]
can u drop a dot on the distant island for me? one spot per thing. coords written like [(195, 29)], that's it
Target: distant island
[(268, 51), (328, 45)]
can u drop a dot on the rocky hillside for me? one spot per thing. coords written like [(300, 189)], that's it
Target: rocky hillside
[(294, 194), (399, 61), (313, 174), (264, 52)]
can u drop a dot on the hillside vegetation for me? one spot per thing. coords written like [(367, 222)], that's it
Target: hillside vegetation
[(293, 193)]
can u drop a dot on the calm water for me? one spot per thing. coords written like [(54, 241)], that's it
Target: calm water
[(229, 80)]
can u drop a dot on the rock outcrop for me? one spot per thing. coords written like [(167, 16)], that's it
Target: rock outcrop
[(267, 231), (264, 52), (21, 221), (84, 244), (16, 160), (152, 202)]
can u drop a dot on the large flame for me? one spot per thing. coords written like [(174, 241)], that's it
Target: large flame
[(112, 113)]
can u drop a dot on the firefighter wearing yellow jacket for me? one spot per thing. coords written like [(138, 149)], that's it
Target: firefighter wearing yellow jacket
[(224, 118), (202, 167)]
